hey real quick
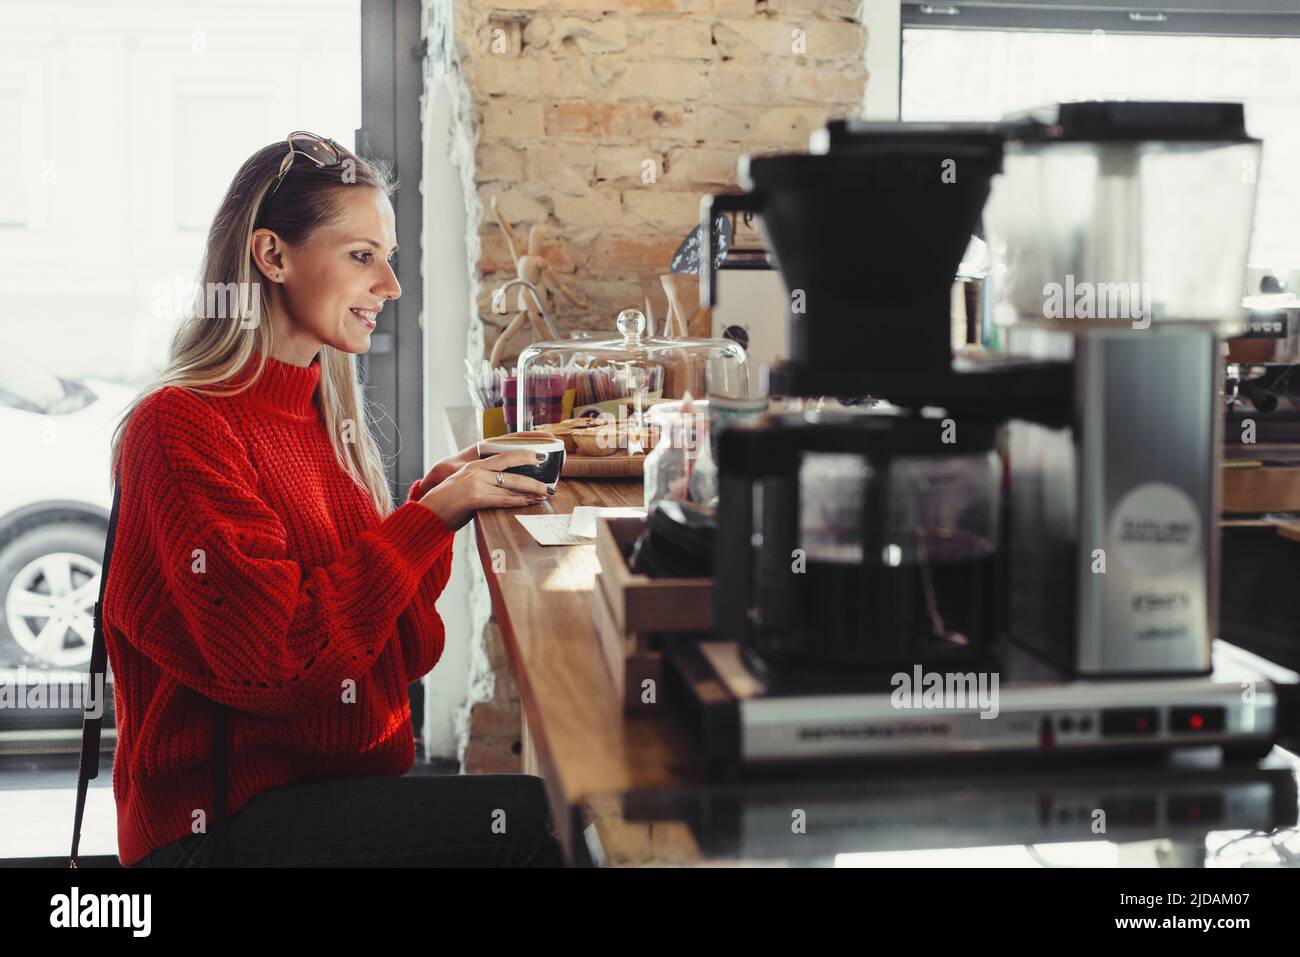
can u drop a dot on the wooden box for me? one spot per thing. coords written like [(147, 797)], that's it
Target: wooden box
[(640, 603), (635, 614), (628, 656)]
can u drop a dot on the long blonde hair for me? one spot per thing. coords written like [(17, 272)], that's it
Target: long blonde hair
[(207, 351)]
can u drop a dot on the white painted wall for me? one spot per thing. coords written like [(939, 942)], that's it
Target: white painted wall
[(445, 323), (883, 19)]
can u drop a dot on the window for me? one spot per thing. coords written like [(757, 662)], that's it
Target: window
[(969, 74), (123, 125)]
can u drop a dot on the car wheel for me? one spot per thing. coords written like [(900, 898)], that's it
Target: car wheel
[(49, 583)]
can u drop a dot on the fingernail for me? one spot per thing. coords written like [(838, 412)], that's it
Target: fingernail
[(550, 491), (541, 456)]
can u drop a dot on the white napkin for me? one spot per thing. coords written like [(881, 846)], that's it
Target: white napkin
[(576, 529)]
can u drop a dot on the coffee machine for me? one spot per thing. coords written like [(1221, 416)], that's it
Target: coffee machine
[(1041, 513)]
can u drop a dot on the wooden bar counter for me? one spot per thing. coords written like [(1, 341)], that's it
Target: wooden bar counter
[(575, 734), (636, 780)]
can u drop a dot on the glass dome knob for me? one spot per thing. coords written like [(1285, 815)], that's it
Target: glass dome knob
[(631, 323)]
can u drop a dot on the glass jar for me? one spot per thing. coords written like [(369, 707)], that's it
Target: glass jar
[(679, 466), (621, 378)]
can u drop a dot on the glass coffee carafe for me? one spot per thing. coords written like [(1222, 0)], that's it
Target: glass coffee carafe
[(873, 545)]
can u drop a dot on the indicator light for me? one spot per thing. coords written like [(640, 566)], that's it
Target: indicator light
[(1196, 720)]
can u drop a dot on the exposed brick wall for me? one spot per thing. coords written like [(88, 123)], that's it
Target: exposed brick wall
[(490, 736), (607, 120)]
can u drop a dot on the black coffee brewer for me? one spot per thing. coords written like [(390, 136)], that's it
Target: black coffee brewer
[(857, 543)]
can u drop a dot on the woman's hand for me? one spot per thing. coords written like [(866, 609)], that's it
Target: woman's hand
[(449, 466), (481, 483)]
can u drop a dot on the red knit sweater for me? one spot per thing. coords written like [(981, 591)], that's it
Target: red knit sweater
[(248, 568)]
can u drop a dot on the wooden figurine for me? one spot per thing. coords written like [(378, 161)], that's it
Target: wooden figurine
[(532, 267)]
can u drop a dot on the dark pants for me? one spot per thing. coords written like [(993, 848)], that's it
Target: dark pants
[(475, 820)]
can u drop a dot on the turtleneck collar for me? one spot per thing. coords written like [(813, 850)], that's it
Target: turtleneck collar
[(282, 386)]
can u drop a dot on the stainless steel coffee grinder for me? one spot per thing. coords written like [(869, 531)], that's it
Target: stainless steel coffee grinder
[(1121, 233)]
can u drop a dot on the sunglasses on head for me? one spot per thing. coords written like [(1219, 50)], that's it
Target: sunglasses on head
[(321, 150)]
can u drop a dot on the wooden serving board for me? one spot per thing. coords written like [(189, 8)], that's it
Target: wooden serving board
[(618, 465)]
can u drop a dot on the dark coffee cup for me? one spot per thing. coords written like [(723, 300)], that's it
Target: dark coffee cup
[(547, 471)]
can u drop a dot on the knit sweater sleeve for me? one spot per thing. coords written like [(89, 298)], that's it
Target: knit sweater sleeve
[(239, 621), (419, 627)]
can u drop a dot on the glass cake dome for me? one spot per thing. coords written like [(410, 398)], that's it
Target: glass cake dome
[(619, 378)]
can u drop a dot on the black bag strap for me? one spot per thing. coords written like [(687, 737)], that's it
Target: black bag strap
[(92, 726)]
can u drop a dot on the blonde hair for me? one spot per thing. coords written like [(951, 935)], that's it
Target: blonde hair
[(208, 351)]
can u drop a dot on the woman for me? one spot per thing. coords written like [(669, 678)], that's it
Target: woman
[(259, 562)]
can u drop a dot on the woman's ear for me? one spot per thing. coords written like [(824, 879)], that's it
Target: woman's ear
[(269, 254)]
